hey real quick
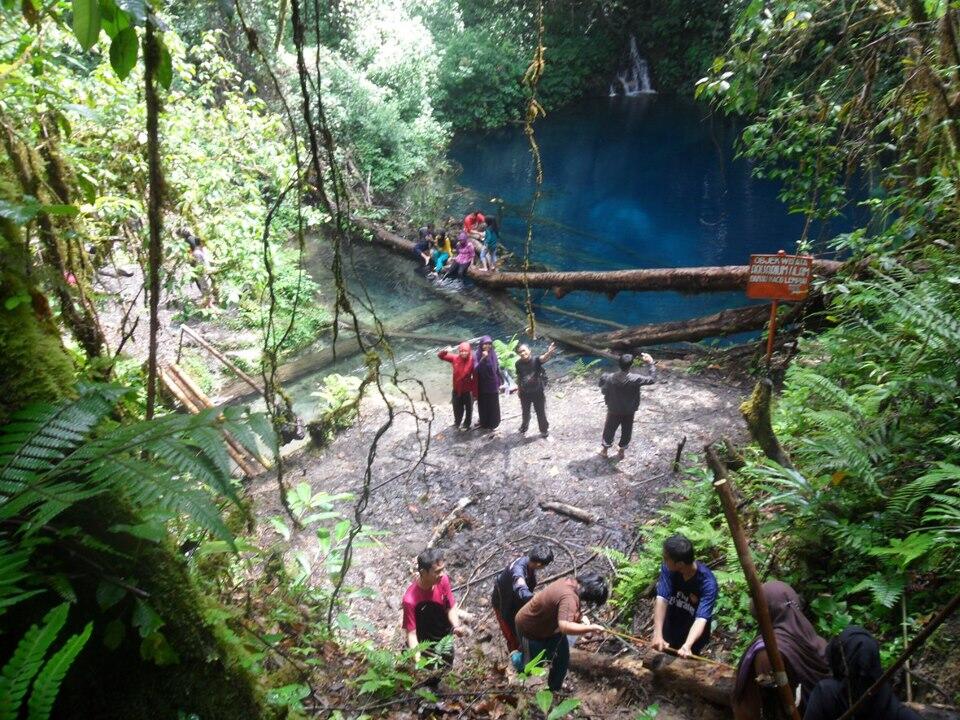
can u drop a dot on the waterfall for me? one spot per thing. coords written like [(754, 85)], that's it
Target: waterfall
[(635, 79)]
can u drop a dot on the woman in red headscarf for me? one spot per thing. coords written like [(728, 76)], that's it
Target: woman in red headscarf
[(804, 655), (464, 383)]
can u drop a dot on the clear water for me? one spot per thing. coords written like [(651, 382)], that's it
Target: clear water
[(638, 182)]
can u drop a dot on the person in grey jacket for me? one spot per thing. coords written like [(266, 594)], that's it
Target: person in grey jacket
[(621, 391)]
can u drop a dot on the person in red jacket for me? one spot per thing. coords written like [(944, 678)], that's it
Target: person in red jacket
[(472, 220), (464, 383)]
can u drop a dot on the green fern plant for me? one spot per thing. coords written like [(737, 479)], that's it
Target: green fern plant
[(29, 670)]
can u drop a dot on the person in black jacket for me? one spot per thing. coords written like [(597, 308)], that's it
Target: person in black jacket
[(512, 590), (621, 391)]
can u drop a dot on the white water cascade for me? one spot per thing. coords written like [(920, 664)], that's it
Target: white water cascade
[(635, 79)]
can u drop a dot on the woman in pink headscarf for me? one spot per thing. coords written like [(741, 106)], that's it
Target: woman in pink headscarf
[(464, 383)]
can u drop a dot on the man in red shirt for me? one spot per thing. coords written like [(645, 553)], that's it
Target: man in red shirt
[(430, 611), (471, 221), (464, 383)]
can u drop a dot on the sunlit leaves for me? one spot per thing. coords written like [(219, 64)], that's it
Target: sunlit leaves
[(86, 22)]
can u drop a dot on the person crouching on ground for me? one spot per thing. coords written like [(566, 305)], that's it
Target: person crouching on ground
[(686, 594), (513, 589), (554, 613), (464, 383), (430, 612), (621, 392), (531, 387)]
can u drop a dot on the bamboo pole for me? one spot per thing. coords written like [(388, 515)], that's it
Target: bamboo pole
[(221, 357), (722, 486), (907, 653)]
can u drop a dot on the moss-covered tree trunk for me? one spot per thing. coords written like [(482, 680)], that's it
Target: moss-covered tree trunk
[(206, 678)]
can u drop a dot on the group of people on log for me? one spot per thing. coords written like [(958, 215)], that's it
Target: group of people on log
[(477, 242), (477, 374), (825, 678)]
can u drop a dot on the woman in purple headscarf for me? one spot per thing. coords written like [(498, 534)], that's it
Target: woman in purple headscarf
[(489, 380), (804, 655)]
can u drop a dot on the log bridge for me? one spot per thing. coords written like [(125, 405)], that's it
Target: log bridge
[(682, 280)]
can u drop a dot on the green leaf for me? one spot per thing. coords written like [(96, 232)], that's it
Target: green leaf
[(113, 634), (112, 18), (164, 67), (564, 708), (14, 300), (123, 52), (158, 650), (544, 700), (47, 684), (86, 22), (146, 619), (109, 594)]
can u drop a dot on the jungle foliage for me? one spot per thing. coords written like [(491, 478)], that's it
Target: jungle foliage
[(858, 103)]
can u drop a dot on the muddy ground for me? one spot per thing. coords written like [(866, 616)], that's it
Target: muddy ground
[(507, 475)]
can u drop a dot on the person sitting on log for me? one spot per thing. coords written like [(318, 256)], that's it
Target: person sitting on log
[(465, 255), (512, 590), (491, 239), (621, 392), (804, 654), (425, 241), (854, 657), (440, 251), (554, 613), (430, 611), (470, 222), (686, 594), (464, 383)]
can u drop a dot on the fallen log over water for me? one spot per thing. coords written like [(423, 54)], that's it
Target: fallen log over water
[(685, 280), (710, 682), (725, 322)]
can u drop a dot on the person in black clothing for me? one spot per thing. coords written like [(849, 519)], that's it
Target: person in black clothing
[(531, 385), (854, 657), (513, 589), (621, 391)]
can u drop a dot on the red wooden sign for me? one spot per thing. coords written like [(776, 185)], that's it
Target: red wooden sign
[(779, 277)]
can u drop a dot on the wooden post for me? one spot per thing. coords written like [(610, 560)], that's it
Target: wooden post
[(219, 356), (722, 487), (772, 331)]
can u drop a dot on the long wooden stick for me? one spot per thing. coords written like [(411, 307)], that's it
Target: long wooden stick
[(221, 357), (910, 650), (722, 487), (670, 650)]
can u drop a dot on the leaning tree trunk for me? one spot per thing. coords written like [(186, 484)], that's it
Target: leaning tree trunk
[(756, 411), (207, 679)]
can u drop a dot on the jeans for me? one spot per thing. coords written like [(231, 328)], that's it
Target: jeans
[(539, 402), (462, 408), (614, 420), (556, 650), (490, 254), (458, 270)]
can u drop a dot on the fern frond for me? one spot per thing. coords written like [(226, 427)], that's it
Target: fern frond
[(913, 492), (27, 659), (47, 684)]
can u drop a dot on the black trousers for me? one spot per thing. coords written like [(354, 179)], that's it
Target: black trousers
[(624, 421), (539, 402), (462, 408)]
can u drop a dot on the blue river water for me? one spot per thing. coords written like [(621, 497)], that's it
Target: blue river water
[(639, 182)]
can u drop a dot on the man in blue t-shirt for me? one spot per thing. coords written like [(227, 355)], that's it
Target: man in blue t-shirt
[(686, 593)]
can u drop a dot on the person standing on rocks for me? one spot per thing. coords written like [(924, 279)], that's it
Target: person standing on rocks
[(686, 594), (464, 383), (489, 380), (531, 385), (512, 590), (430, 611), (554, 613), (621, 392)]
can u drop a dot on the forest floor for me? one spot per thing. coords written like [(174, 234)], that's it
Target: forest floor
[(507, 475)]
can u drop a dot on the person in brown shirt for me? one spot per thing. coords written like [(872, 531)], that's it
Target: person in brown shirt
[(545, 622)]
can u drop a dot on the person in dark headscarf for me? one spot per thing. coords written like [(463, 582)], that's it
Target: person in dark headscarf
[(803, 652), (489, 380), (854, 657)]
